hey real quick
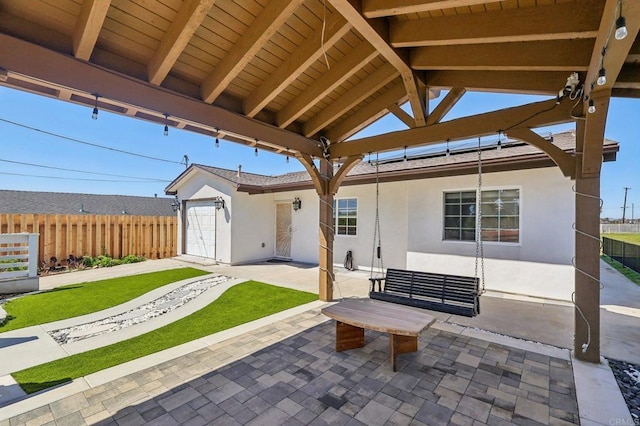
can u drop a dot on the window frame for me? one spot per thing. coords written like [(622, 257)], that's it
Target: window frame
[(478, 204), (335, 217)]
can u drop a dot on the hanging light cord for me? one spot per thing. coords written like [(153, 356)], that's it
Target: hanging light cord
[(324, 25), (87, 143)]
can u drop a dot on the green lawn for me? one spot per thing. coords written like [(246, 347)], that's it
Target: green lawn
[(80, 299), (630, 238), (627, 272), (240, 304)]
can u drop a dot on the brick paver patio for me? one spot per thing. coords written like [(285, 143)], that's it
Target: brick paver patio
[(289, 374)]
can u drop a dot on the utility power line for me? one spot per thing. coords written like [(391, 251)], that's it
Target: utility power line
[(79, 171), (88, 143), (77, 179)]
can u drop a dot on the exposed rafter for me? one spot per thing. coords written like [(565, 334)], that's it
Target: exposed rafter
[(545, 55), (551, 22), (380, 8), (182, 28), (375, 32), (531, 115), (88, 26), (445, 105), (354, 96), (310, 51), (339, 73), (261, 30), (367, 114)]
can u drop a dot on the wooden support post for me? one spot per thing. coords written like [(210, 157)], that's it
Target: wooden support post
[(587, 261), (326, 232)]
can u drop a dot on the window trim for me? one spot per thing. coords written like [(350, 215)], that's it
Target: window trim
[(484, 188), (335, 217)]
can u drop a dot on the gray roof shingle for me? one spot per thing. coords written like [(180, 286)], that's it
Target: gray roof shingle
[(32, 202)]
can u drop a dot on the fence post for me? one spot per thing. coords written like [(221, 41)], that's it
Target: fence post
[(33, 255)]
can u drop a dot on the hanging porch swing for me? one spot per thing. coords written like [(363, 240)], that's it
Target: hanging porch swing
[(454, 294)]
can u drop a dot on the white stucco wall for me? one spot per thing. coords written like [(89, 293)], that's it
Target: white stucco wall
[(252, 227), (393, 225), (540, 264), (202, 186)]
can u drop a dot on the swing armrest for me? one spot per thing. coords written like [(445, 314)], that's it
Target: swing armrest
[(373, 283)]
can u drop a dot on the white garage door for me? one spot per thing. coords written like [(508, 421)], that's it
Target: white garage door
[(201, 228)]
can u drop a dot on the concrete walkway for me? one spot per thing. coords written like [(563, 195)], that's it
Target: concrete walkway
[(531, 319)]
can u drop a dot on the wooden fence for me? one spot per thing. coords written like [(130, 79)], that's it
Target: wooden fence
[(153, 237)]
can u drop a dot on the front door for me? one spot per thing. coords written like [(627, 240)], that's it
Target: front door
[(283, 230)]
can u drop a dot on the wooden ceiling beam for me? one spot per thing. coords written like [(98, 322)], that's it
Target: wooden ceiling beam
[(533, 115), (351, 98), (86, 78), (445, 105), (254, 38), (381, 8), (366, 115), (544, 55), (551, 22), (616, 51), (402, 115), (329, 81), (629, 77), (88, 26), (182, 28), (529, 82), (376, 32), (305, 55), (615, 54)]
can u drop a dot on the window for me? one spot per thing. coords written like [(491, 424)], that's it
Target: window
[(500, 215), (345, 216)]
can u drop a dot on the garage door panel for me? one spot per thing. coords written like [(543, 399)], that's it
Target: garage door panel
[(200, 228)]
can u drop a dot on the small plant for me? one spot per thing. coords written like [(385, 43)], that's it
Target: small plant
[(13, 268), (107, 261)]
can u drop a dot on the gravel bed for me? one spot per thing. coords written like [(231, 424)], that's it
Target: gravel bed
[(628, 377)]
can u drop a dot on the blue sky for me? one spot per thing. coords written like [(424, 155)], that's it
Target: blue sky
[(123, 133)]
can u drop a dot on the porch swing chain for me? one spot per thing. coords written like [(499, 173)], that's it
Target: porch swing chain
[(376, 229), (479, 248)]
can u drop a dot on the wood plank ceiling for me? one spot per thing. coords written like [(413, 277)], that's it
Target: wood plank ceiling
[(280, 74)]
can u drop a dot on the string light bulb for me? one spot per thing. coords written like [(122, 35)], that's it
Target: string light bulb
[(499, 140), (592, 107), (256, 152), (94, 115), (166, 124), (602, 77), (217, 141), (287, 155), (621, 27), (405, 154), (447, 152)]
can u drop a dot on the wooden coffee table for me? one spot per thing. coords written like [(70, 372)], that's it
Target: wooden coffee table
[(403, 324)]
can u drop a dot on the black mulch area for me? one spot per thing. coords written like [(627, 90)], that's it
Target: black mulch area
[(628, 377)]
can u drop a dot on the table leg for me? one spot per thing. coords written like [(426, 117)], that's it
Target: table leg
[(348, 337), (401, 345)]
